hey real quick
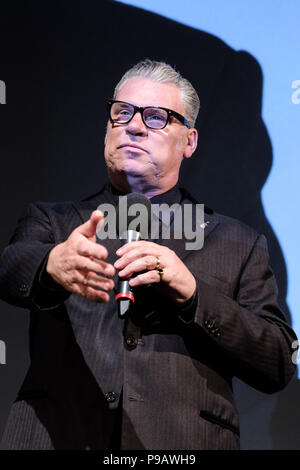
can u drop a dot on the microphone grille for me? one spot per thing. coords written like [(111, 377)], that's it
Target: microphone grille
[(134, 213)]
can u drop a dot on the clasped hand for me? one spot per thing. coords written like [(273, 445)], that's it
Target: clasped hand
[(139, 259), (79, 265)]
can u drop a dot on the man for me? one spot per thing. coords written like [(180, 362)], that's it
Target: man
[(160, 378)]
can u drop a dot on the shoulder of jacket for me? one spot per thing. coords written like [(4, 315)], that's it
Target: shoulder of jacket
[(235, 226), (225, 223), (59, 207)]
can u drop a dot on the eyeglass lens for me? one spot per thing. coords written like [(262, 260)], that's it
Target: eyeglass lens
[(155, 118)]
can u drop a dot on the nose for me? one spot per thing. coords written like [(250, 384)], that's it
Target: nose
[(136, 125)]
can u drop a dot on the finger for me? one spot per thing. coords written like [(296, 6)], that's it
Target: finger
[(89, 228), (91, 279), (88, 248), (135, 253), (145, 263), (90, 293), (84, 263), (150, 277), (133, 245)]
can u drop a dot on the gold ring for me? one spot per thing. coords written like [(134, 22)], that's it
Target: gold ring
[(158, 268), (157, 263)]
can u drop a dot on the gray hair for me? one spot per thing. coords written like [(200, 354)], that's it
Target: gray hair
[(165, 73)]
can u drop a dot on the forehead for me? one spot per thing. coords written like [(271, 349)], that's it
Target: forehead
[(146, 92)]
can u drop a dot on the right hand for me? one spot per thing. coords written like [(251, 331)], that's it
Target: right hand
[(78, 263)]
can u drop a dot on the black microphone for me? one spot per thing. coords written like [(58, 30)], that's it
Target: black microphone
[(131, 227)]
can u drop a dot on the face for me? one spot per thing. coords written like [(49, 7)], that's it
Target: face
[(142, 159)]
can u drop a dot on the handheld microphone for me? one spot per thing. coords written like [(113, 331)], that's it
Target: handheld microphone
[(131, 228)]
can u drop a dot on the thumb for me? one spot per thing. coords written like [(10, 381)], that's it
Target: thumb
[(91, 227)]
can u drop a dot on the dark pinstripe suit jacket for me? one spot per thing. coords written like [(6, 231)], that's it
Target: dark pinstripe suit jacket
[(174, 377)]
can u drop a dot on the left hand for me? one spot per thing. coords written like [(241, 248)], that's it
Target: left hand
[(136, 257)]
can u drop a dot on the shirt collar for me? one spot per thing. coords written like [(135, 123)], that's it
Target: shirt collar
[(172, 196)]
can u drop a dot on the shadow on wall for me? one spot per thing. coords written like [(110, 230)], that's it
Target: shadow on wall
[(70, 58)]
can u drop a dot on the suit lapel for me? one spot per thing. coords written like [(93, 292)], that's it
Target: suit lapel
[(210, 223), (179, 245)]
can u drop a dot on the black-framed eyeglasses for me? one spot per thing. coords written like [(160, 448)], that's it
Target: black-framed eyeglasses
[(153, 117)]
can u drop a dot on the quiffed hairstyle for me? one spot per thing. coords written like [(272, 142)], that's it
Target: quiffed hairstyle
[(165, 73)]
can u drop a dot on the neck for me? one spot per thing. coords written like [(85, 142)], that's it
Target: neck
[(134, 184)]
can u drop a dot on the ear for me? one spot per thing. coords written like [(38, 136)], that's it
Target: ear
[(191, 142)]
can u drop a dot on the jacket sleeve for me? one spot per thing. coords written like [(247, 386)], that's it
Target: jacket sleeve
[(22, 262), (249, 330)]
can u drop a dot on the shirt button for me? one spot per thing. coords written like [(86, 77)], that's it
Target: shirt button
[(130, 342), (111, 396)]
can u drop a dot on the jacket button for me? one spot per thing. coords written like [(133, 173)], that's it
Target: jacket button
[(130, 342), (24, 288), (209, 324), (216, 331), (111, 396)]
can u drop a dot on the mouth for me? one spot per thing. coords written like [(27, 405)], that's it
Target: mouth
[(132, 146)]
